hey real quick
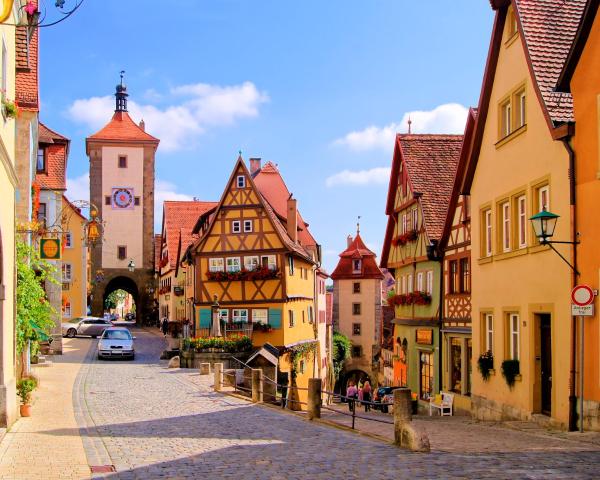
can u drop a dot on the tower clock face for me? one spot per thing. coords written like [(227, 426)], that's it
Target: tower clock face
[(122, 198)]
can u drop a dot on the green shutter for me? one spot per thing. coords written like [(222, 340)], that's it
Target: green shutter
[(205, 314), (275, 317)]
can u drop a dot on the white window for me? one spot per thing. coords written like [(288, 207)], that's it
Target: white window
[(403, 285), (66, 309), (236, 226), (66, 272), (506, 119), (224, 315), (269, 261), (489, 332), (68, 240), (216, 265), (415, 219), (404, 223), (250, 263), (233, 264), (522, 211), (522, 117), (410, 284), (544, 198), (420, 282), (241, 181), (488, 233), (240, 315), (430, 282), (260, 315), (513, 320), (247, 225), (505, 208)]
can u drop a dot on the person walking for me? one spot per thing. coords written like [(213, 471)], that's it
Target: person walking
[(351, 394), (164, 326), (367, 395)]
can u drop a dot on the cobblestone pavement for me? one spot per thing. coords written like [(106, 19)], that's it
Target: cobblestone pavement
[(151, 422)]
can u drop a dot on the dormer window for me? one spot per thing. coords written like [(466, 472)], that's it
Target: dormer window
[(241, 181), (356, 266)]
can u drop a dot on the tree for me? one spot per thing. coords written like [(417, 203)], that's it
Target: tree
[(114, 298), (34, 312), (342, 347)]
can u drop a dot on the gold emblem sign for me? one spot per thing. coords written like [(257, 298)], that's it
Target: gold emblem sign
[(50, 249)]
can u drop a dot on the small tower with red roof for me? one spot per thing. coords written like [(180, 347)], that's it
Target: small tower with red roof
[(122, 189), (357, 308)]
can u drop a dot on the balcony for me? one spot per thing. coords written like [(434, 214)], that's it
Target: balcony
[(228, 330)]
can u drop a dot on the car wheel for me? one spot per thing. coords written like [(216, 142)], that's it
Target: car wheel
[(71, 332)]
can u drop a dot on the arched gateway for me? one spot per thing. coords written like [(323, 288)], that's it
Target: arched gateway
[(122, 188)]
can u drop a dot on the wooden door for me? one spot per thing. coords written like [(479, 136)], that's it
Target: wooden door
[(546, 363)]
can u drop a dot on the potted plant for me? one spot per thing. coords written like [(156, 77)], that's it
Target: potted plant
[(10, 108), (510, 370), (24, 388), (485, 363)]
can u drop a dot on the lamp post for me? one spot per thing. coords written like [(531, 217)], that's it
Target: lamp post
[(131, 266), (544, 224)]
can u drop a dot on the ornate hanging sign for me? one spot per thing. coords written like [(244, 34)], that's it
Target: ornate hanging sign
[(50, 249)]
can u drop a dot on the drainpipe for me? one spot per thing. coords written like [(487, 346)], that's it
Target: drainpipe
[(573, 211)]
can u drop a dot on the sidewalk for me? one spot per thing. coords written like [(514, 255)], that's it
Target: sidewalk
[(462, 434), (27, 452)]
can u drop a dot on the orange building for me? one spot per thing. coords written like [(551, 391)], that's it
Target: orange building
[(581, 77)]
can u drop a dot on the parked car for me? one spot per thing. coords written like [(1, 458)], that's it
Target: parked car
[(92, 326), (384, 395), (116, 342), (130, 317)]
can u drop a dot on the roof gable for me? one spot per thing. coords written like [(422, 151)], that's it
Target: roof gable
[(357, 250), (121, 128)]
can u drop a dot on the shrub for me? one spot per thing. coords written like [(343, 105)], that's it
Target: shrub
[(24, 388)]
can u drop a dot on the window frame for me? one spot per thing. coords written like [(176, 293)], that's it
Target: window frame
[(488, 323), (121, 248), (487, 232), (521, 208), (236, 317), (240, 181), (68, 240), (356, 266), (232, 259), (122, 164), (544, 189), (67, 272), (514, 336), (415, 218), (419, 281), (291, 319), (268, 257), (356, 287), (236, 226), (356, 329), (356, 308), (465, 274), (521, 97), (264, 320), (409, 284), (44, 157), (224, 314), (248, 261), (213, 264), (429, 282), (453, 276), (249, 223), (506, 226), (67, 309)]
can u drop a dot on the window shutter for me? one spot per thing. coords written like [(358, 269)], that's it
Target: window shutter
[(275, 317), (205, 314)]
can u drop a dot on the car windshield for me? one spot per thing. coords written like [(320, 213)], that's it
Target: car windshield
[(117, 335)]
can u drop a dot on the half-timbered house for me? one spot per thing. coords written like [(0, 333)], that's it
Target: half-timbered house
[(423, 171), (457, 345), (256, 257)]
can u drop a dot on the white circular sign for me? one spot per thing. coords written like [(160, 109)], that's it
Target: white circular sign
[(582, 295)]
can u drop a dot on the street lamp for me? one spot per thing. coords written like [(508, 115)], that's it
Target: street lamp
[(131, 266), (544, 224)]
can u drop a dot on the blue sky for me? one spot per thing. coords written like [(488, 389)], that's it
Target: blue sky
[(318, 87)]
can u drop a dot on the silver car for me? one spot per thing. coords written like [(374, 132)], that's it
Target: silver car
[(92, 326), (116, 342)]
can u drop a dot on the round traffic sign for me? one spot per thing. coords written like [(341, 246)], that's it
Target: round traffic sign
[(582, 295)]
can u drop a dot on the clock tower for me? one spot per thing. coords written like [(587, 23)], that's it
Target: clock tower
[(121, 158)]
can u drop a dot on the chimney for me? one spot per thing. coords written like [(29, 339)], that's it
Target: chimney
[(143, 125), (254, 165), (292, 219), (348, 241)]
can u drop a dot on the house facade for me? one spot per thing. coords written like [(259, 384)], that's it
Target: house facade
[(423, 171), (256, 257), (517, 167), (357, 309)]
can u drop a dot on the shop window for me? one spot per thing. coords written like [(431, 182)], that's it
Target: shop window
[(356, 309), (356, 329), (356, 287), (426, 370), (456, 365)]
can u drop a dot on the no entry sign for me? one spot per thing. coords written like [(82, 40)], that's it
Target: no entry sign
[(582, 301)]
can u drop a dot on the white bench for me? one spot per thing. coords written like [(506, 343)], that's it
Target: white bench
[(445, 406)]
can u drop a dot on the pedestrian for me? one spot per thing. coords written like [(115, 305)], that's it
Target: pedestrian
[(360, 391), (165, 326), (367, 395), (351, 394)]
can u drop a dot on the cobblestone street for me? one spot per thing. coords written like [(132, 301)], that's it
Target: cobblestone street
[(151, 422)]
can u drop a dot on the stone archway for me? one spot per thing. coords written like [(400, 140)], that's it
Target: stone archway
[(122, 283)]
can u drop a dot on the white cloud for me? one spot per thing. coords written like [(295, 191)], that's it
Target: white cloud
[(447, 118), (192, 110), (78, 188), (374, 176)]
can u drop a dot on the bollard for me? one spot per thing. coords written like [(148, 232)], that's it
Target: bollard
[(257, 385), (313, 409), (205, 369), (402, 406), (218, 370)]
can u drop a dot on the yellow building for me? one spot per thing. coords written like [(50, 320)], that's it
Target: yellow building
[(8, 186), (74, 263), (517, 167), (257, 257)]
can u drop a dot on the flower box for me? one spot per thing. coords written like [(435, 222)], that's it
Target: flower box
[(243, 274), (414, 298), (405, 238)]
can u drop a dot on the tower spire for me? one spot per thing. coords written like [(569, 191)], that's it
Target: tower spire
[(358, 226), (409, 124), (121, 95)]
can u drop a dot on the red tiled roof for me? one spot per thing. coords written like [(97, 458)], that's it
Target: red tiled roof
[(271, 185), (122, 128), (57, 150), (549, 28), (357, 250), (157, 251), (26, 66), (178, 217), (431, 162)]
